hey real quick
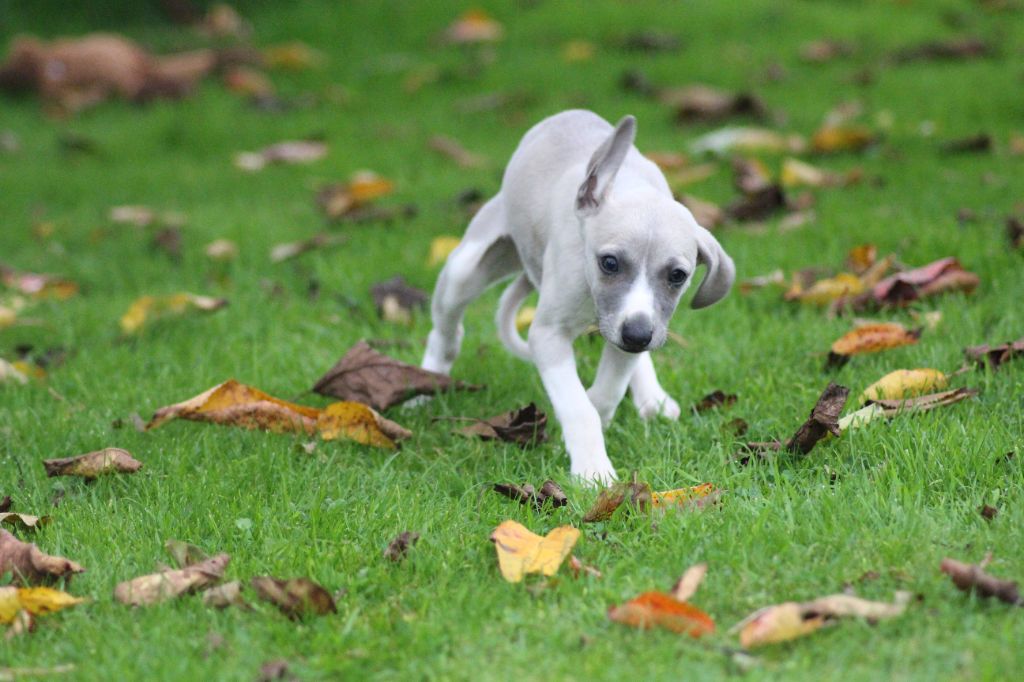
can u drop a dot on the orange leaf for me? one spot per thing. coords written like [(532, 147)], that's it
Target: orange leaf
[(521, 552), (696, 496), (359, 423), (872, 338), (240, 405), (657, 608), (841, 138)]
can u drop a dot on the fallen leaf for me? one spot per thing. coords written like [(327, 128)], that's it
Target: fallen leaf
[(714, 399), (821, 51), (1015, 232), (440, 248), (11, 374), (651, 41), (158, 587), (995, 356), (923, 403), (291, 152), (790, 620), (453, 149), (342, 200), (274, 670), (286, 251), (610, 499), (750, 175), (372, 378), (474, 26), (521, 552), (696, 497), (295, 597), (968, 577), (236, 404), (93, 464), (903, 383), (222, 250), (5, 504), (870, 338), (988, 512), (184, 554), (842, 138), (773, 278), (652, 609), (688, 583), (149, 308), (937, 277), (982, 142), (400, 546), (823, 420), (796, 173), (524, 426), (28, 565), (293, 56), (746, 140), (35, 600), (396, 300), (953, 48), (579, 568), (705, 104), (142, 216), (758, 205), (37, 285), (827, 290), (861, 258), (223, 596), (527, 494), (361, 423), (23, 521)]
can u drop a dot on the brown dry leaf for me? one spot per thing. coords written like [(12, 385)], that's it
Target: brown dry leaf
[(236, 404), (288, 250), (275, 670), (23, 521), (968, 577), (474, 26), (668, 161), (821, 51), (651, 41), (746, 140), (937, 277), (295, 597), (34, 600), (369, 377), (579, 568), (982, 142), (790, 620), (610, 499), (652, 609), (361, 423), (248, 82), (708, 215), (521, 552), (842, 138), (37, 285), (93, 464), (293, 56), (524, 426), (1015, 232), (995, 356), (400, 546), (159, 587), (341, 200), (688, 583), (223, 596), (396, 300), (870, 338), (824, 419), (923, 403), (148, 308), (291, 152), (705, 104), (453, 149), (797, 173), (716, 398), (951, 49), (5, 504), (28, 565), (527, 494), (695, 497)]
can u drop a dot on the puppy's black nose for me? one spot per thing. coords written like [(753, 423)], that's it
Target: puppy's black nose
[(636, 334)]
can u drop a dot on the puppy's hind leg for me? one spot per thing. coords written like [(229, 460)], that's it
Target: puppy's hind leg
[(650, 398), (485, 255)]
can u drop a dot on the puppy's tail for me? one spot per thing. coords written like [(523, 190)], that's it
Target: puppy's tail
[(511, 299)]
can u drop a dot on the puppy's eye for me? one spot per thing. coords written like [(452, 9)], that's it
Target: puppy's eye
[(677, 276), (609, 264)]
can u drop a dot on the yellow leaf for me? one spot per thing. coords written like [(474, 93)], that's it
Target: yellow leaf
[(778, 623), (294, 56), (440, 247), (10, 373), (841, 138), (904, 383), (35, 600), (683, 497), (824, 291), (524, 318), (872, 338), (360, 423), (521, 552), (149, 308), (578, 51)]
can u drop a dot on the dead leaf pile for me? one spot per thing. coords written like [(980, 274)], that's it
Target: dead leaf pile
[(367, 376), (235, 404), (527, 494), (524, 426), (521, 552)]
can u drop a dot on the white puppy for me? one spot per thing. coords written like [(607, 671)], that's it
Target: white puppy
[(592, 225)]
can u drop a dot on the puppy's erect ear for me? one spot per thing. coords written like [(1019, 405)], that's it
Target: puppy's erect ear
[(603, 166), (721, 270)]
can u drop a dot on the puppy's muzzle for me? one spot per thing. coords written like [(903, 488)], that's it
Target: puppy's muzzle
[(636, 334)]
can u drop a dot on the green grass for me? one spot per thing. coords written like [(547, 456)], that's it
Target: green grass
[(893, 498)]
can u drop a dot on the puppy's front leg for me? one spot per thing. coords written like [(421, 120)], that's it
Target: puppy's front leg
[(649, 397), (613, 376), (581, 425)]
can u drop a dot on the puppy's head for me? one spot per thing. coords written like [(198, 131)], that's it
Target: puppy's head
[(642, 251)]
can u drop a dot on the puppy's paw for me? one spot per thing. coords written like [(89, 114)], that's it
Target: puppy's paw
[(663, 406), (595, 473)]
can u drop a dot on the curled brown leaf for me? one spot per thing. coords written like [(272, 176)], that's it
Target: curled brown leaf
[(93, 464), (28, 565)]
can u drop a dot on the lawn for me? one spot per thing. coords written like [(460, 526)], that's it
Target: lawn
[(892, 497)]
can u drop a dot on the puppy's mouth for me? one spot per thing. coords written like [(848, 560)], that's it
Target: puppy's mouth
[(633, 348)]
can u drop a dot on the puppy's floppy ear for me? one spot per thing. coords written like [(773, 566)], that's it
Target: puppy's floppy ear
[(721, 270), (603, 166)]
